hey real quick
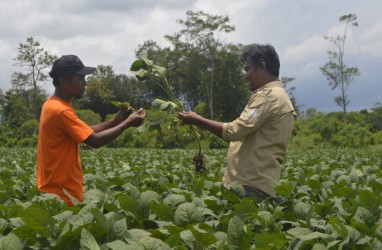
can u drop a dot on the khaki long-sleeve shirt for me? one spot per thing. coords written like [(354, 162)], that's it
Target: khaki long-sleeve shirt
[(259, 138)]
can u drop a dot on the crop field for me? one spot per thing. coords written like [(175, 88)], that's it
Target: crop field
[(154, 199)]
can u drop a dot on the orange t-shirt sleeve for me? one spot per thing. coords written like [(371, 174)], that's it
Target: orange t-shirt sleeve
[(74, 127)]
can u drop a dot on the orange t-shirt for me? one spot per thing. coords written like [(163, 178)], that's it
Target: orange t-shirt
[(58, 158)]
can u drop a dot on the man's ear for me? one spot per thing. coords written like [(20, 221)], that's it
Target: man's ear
[(263, 67), (62, 80)]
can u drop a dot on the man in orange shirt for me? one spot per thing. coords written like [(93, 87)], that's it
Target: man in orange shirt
[(59, 168)]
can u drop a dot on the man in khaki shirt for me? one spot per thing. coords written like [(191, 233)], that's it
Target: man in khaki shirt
[(259, 137)]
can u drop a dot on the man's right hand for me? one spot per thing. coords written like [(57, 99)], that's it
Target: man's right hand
[(136, 118)]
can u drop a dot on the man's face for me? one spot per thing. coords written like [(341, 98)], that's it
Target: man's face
[(252, 75), (75, 86)]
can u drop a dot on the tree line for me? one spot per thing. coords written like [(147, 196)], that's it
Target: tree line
[(204, 72)]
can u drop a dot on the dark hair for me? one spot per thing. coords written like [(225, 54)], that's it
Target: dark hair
[(263, 53), (56, 80)]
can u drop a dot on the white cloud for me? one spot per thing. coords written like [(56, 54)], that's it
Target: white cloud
[(108, 32), (371, 40), (311, 49)]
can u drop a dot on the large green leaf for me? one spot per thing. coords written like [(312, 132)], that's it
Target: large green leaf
[(160, 70), (168, 106), (39, 221), (3, 225), (88, 242), (162, 211), (268, 240), (204, 239), (237, 237), (187, 213), (11, 241), (339, 227), (119, 245)]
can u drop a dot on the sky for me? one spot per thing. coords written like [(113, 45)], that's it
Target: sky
[(104, 32)]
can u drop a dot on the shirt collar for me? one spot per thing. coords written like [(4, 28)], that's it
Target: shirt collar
[(269, 85)]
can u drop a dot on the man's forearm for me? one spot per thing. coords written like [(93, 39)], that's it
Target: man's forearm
[(103, 126), (210, 125)]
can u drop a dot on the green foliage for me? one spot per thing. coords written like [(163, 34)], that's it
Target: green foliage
[(199, 41), (318, 129), (153, 199), (34, 62), (88, 116), (145, 69), (29, 128), (352, 135)]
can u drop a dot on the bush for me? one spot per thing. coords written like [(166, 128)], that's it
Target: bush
[(29, 128), (377, 138), (28, 142), (352, 135), (217, 143), (89, 117)]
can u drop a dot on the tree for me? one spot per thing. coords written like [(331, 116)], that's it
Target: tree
[(285, 80), (104, 86), (337, 73), (200, 36), (98, 95), (231, 94), (33, 59)]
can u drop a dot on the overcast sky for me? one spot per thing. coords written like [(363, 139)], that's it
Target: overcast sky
[(108, 33)]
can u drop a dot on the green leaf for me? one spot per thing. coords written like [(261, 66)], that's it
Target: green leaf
[(151, 243), (141, 74), (3, 225), (370, 200), (204, 239), (236, 235), (138, 65), (173, 240), (237, 188), (128, 203), (314, 235), (174, 200), (147, 197), (165, 105), (229, 195), (246, 207), (284, 190), (144, 57), (270, 240), (39, 221), (187, 213), (324, 209), (11, 241), (136, 234), (118, 245), (339, 227), (88, 241), (198, 187), (163, 212), (94, 196), (118, 229), (364, 216), (345, 191), (121, 105), (160, 70), (101, 222)]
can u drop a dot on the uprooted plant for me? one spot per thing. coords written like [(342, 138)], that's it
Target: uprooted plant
[(144, 69)]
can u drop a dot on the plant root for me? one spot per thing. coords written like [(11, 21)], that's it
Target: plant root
[(199, 162)]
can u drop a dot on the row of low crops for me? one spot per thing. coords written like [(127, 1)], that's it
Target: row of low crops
[(153, 199)]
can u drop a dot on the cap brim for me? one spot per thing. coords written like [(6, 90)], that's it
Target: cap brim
[(86, 71)]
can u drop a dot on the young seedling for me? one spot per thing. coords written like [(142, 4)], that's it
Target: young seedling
[(121, 105), (144, 69)]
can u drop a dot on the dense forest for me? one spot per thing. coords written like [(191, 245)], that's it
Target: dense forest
[(203, 72)]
